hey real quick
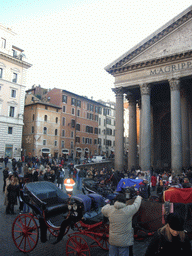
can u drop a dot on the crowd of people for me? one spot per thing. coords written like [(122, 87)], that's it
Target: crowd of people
[(120, 215)]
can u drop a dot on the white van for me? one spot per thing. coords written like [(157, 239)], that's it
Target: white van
[(98, 159)]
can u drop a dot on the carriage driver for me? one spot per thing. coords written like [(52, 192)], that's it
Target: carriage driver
[(120, 224)]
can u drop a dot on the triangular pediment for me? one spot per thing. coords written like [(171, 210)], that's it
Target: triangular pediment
[(173, 38)]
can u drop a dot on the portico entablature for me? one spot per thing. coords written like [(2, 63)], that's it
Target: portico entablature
[(155, 73)]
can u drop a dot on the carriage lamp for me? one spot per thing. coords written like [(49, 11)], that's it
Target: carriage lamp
[(75, 207), (69, 207)]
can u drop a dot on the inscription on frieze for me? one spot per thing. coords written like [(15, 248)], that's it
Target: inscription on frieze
[(171, 68)]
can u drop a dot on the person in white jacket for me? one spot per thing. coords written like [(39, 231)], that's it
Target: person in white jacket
[(121, 234)]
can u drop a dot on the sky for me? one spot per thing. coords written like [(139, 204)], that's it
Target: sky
[(70, 42)]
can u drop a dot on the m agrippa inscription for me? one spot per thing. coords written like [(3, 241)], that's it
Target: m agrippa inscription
[(171, 68)]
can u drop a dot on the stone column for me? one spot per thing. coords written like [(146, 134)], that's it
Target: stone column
[(145, 127), (185, 129), (140, 115), (176, 140), (190, 125), (119, 130), (132, 132)]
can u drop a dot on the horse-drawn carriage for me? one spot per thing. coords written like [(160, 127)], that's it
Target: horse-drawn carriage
[(54, 213)]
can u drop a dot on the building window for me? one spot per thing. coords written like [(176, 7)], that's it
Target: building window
[(33, 117), (64, 98), (63, 121), (73, 101), (95, 141), (11, 111), (45, 118), (83, 140), (108, 121), (73, 111), (1, 72), (62, 144), (63, 109), (77, 139), (44, 142), (56, 120), (57, 110), (87, 115), (32, 129), (99, 141), (96, 118), (91, 116), (78, 103), (96, 130), (89, 129), (90, 141), (10, 130), (3, 43), (71, 144), (72, 123), (78, 112), (78, 127), (46, 107), (72, 134), (55, 143), (86, 140), (45, 130), (55, 132), (14, 80), (91, 108), (63, 133), (13, 93)]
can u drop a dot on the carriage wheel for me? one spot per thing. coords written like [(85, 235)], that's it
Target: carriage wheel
[(103, 241), (76, 245), (25, 232), (103, 238)]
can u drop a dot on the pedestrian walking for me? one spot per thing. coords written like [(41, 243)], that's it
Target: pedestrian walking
[(120, 224), (170, 239), (13, 193), (60, 177), (5, 176)]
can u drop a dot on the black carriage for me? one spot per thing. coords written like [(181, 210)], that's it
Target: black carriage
[(54, 213)]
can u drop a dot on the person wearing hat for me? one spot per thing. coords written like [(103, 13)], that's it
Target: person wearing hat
[(120, 224), (170, 239)]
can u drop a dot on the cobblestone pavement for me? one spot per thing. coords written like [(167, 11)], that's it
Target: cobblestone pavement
[(7, 247)]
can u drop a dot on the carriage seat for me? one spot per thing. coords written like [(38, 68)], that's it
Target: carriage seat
[(92, 207)]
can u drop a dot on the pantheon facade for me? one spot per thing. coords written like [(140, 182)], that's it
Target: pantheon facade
[(156, 74)]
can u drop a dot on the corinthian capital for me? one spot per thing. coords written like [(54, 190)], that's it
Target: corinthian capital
[(145, 89), (118, 90), (174, 84)]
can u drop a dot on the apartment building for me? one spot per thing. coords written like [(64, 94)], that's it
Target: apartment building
[(41, 133), (106, 136), (13, 68), (79, 123)]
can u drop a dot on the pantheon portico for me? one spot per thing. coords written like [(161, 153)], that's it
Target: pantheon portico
[(157, 75)]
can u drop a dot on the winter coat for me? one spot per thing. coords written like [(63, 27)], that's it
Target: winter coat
[(153, 181), (161, 246), (13, 193), (120, 222), (61, 176)]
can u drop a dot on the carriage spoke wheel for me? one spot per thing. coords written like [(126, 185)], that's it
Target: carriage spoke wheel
[(25, 232), (102, 241), (76, 245), (102, 238)]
